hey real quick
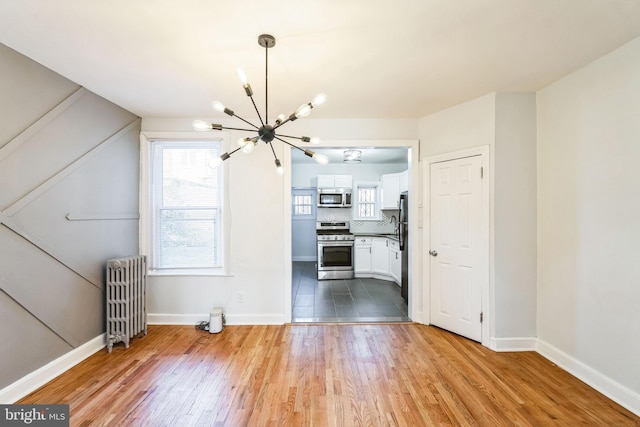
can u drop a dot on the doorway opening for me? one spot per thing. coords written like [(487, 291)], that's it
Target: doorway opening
[(369, 295)]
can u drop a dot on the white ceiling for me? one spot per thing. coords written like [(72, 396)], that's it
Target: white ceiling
[(373, 58)]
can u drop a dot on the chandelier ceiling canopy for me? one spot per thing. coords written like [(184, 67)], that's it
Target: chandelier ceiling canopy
[(266, 132)]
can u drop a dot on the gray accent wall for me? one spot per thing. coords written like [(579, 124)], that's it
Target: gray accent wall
[(515, 222), (69, 176)]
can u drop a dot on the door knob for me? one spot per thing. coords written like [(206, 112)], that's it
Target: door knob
[(433, 253)]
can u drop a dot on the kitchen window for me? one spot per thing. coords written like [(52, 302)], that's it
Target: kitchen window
[(367, 204), (303, 205), (186, 206)]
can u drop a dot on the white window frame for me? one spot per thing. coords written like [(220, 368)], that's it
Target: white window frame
[(146, 223), (356, 200), (311, 214)]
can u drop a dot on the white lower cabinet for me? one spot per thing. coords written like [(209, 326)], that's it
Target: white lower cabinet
[(380, 255), (362, 249), (377, 257), (395, 261)]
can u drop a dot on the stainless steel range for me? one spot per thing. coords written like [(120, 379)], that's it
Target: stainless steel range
[(335, 250)]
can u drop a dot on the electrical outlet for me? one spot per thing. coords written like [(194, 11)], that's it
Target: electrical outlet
[(240, 297)]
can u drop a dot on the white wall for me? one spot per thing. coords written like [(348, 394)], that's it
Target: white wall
[(589, 217), (467, 125), (255, 197), (260, 228)]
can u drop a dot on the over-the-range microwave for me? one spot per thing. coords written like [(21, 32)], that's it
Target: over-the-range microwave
[(334, 197)]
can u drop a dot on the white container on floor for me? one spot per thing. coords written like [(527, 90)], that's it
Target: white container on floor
[(215, 321)]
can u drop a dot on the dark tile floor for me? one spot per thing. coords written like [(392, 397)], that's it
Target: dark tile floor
[(353, 300)]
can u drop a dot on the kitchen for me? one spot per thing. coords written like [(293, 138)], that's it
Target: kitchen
[(349, 237)]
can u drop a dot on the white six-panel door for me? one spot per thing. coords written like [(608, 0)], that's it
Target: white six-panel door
[(456, 246)]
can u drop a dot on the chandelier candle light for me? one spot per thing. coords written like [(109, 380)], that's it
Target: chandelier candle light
[(266, 132)]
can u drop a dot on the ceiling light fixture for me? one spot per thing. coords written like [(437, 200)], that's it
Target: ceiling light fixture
[(266, 132), (352, 156)]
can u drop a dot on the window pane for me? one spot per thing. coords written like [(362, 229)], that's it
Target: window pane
[(366, 210), (367, 202), (186, 205), (188, 238), (302, 204), (302, 210), (187, 179)]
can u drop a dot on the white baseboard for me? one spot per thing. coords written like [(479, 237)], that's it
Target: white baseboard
[(234, 319), (605, 385), (513, 344), (39, 377), (304, 258), (176, 319)]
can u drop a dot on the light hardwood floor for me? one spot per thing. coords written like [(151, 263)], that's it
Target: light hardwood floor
[(323, 375)]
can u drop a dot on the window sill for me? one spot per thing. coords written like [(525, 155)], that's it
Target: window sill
[(188, 272)]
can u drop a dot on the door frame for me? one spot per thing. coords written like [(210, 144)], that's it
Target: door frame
[(487, 282), (415, 240)]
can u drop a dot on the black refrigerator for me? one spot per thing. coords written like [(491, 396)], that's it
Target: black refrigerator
[(403, 233)]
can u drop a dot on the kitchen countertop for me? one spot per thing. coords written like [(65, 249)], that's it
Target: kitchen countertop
[(391, 236)]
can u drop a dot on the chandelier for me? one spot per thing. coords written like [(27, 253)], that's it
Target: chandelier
[(265, 132)]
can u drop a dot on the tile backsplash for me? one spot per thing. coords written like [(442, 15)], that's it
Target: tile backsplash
[(384, 225)]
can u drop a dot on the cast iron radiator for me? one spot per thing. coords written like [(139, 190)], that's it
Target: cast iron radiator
[(126, 299)]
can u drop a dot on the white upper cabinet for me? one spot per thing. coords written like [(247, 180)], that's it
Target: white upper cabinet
[(343, 181), (335, 181), (404, 181), (390, 190), (392, 185)]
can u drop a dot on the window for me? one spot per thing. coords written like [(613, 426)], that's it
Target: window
[(303, 205), (186, 205), (367, 200)]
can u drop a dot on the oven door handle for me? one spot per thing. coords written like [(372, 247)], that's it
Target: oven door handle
[(337, 243)]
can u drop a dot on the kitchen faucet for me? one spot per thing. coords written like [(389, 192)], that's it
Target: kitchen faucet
[(396, 228)]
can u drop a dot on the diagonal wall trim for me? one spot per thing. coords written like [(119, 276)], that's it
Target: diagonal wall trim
[(4, 290), (84, 216), (42, 188), (17, 228), (43, 121)]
